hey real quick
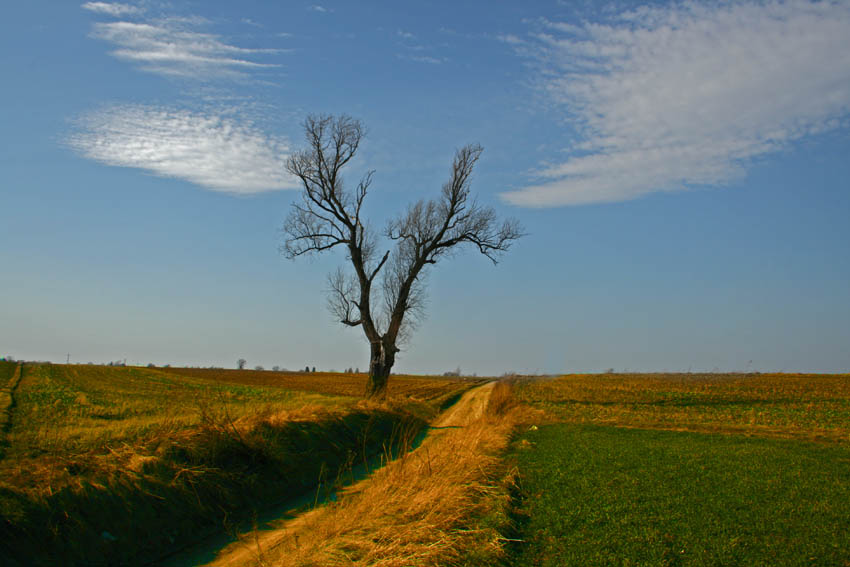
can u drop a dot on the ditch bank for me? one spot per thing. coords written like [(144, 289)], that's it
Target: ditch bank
[(215, 477), (456, 411), (437, 505)]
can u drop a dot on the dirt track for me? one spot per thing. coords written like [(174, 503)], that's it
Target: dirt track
[(470, 407)]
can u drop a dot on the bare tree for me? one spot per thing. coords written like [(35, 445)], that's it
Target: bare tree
[(240, 364), (329, 216)]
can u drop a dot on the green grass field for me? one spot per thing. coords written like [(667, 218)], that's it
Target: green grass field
[(678, 470), (111, 465)]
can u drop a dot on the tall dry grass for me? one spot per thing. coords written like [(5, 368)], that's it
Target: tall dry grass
[(155, 459), (446, 503)]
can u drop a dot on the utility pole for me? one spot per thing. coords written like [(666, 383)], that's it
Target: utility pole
[(68, 359)]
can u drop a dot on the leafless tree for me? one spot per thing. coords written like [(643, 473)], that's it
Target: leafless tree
[(329, 216)]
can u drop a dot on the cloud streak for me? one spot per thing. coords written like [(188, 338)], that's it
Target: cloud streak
[(205, 148), (170, 47), (112, 8), (667, 98)]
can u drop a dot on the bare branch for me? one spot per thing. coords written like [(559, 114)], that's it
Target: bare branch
[(329, 216), (433, 229), (342, 294)]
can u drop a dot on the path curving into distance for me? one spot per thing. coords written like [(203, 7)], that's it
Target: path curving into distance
[(469, 408)]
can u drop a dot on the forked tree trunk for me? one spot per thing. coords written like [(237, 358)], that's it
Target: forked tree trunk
[(380, 365)]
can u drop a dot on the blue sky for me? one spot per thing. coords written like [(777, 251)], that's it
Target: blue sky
[(681, 168)]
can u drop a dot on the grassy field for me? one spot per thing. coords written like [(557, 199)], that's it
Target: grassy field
[(111, 465), (116, 464), (685, 470)]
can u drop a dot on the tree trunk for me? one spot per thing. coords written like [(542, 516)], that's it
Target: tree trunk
[(378, 377), (380, 365)]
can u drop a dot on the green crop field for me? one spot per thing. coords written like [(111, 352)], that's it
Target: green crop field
[(684, 470), (111, 465)]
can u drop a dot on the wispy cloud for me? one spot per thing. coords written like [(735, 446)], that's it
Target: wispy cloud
[(405, 34), (112, 8), (667, 98), (171, 47), (422, 59), (319, 8), (510, 39), (210, 149)]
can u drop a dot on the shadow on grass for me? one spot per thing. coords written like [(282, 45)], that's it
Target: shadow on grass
[(217, 477)]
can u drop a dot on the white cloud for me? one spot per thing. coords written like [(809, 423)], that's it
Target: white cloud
[(319, 8), (208, 149), (169, 47), (112, 8), (667, 98)]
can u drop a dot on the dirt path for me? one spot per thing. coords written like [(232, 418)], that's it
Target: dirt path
[(470, 407)]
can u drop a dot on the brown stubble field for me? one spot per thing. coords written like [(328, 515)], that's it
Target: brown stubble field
[(801, 406)]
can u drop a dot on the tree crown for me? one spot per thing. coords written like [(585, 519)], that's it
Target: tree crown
[(329, 215)]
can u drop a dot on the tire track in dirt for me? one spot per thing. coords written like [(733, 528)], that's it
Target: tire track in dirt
[(471, 407), (7, 404)]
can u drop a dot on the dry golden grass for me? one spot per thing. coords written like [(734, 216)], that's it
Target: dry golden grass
[(442, 504), (332, 383), (155, 455), (809, 406), (72, 418), (85, 417)]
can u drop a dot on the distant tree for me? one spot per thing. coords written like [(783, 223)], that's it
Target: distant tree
[(306, 369), (276, 368), (330, 215), (259, 367), (240, 364), (151, 365), (314, 369)]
